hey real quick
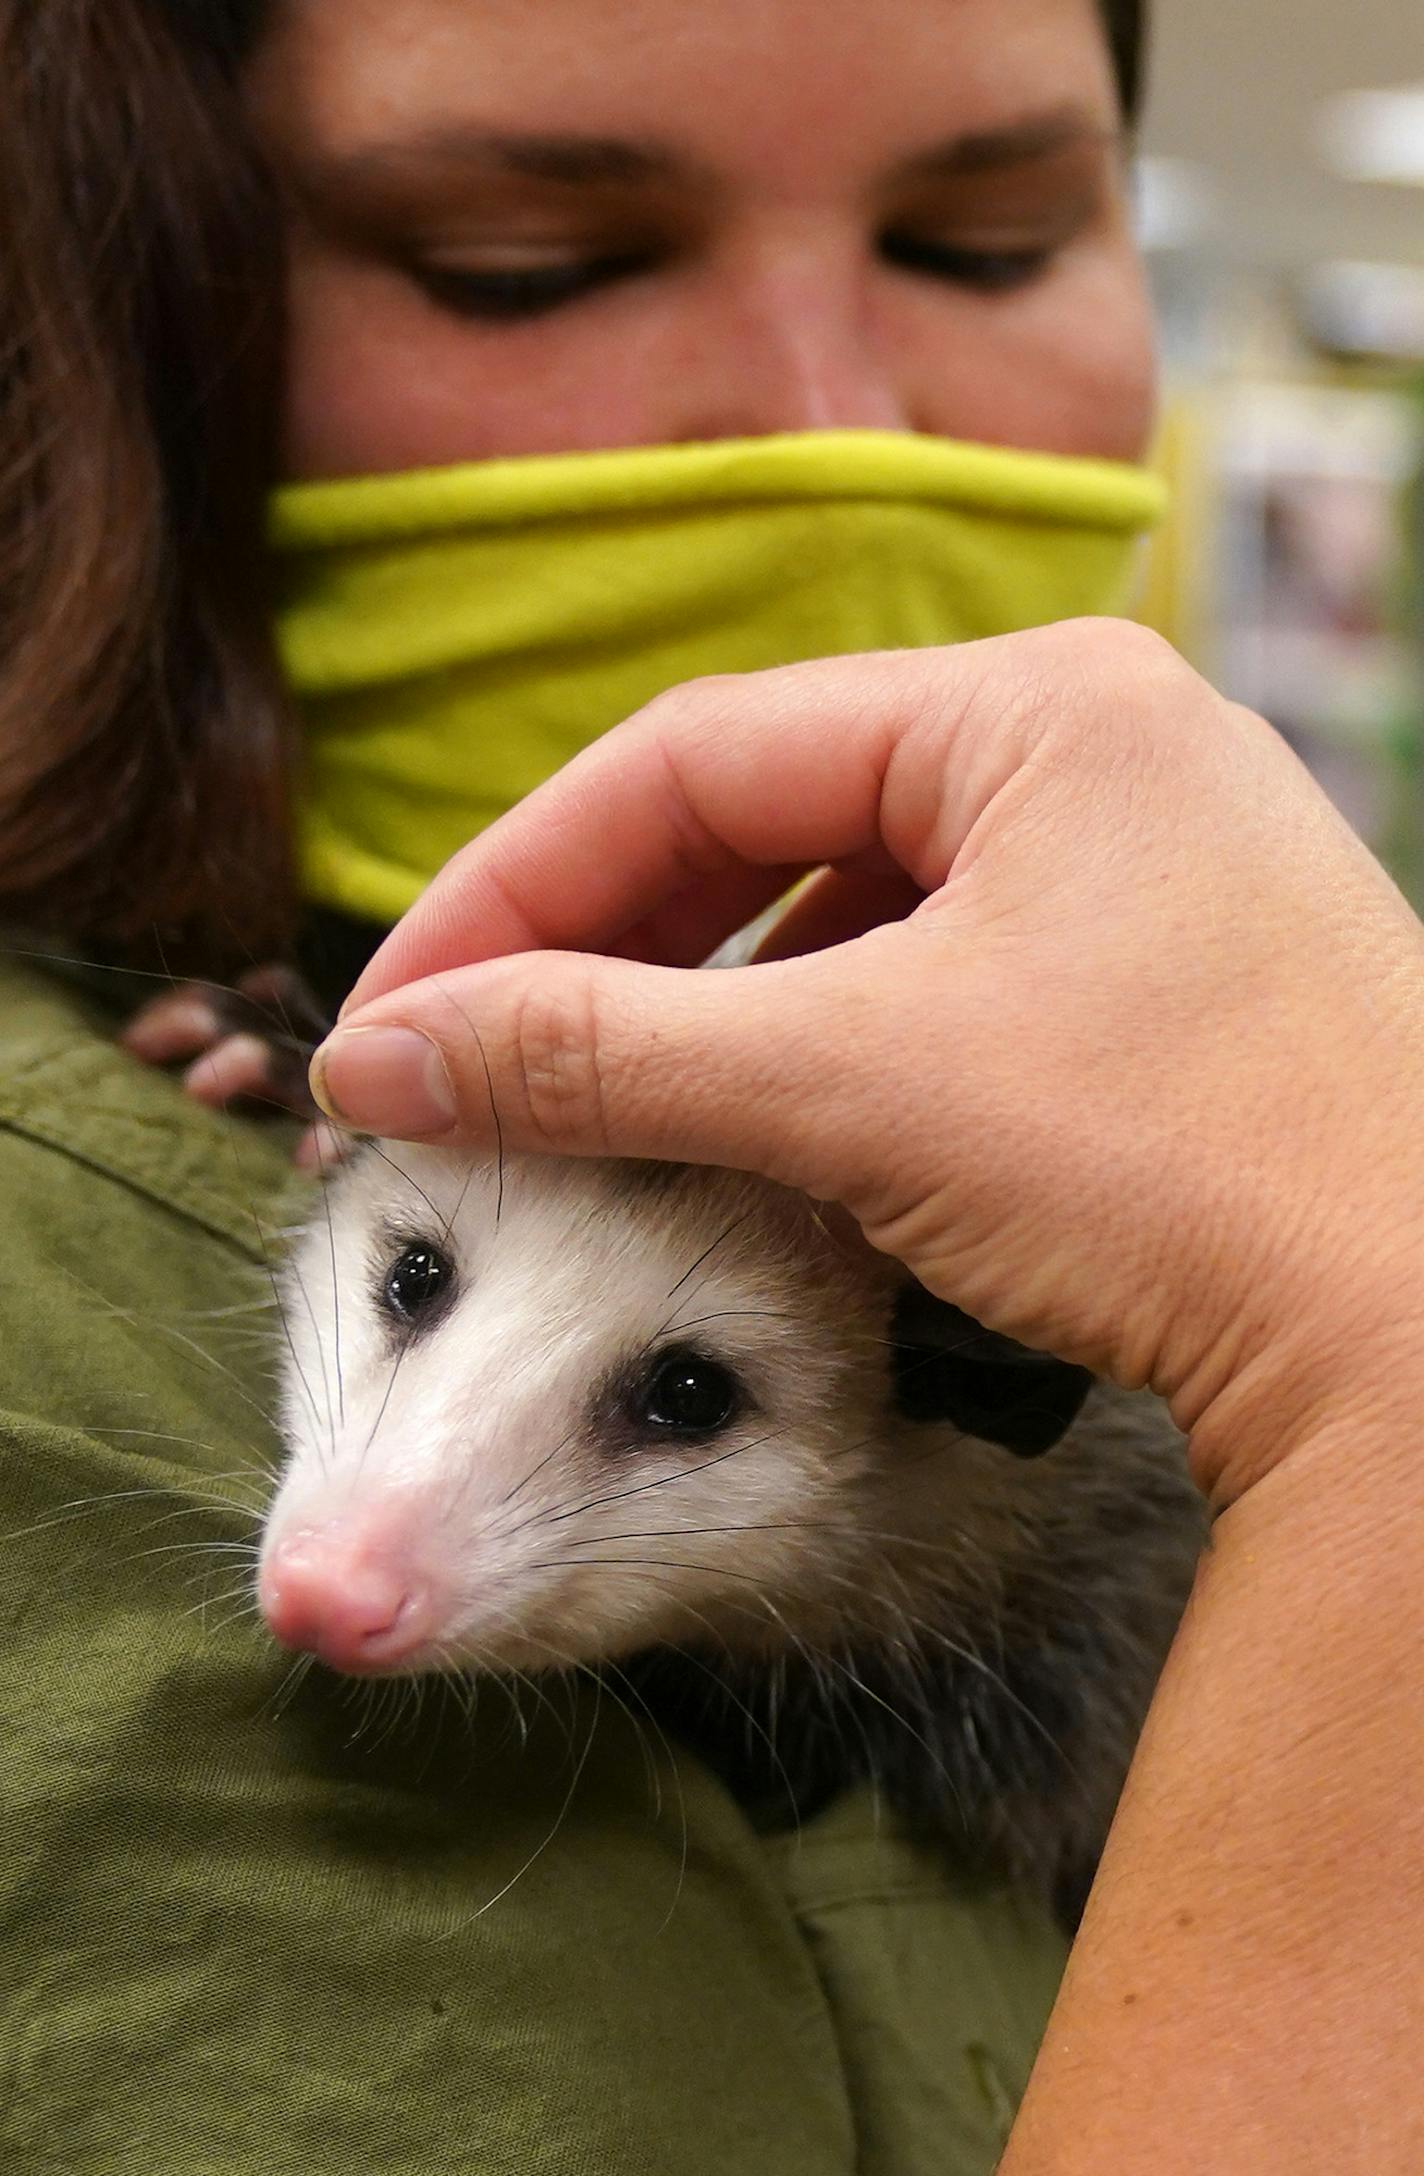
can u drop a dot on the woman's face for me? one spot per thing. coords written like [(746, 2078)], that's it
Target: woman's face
[(530, 226)]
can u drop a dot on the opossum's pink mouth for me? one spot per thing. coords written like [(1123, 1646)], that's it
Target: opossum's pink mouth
[(325, 1596)]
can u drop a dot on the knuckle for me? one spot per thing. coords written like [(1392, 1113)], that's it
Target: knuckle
[(557, 1046), (1130, 694), (683, 712), (1111, 649), (1106, 635)]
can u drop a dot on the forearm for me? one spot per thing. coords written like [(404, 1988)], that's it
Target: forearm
[(1247, 1989)]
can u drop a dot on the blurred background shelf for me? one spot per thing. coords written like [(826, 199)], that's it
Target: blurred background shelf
[(1280, 198)]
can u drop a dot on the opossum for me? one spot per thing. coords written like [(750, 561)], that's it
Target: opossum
[(546, 1414)]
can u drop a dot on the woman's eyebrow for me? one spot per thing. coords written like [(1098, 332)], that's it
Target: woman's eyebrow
[(1017, 143), (572, 161), (386, 174)]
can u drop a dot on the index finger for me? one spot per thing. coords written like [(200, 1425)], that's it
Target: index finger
[(726, 787)]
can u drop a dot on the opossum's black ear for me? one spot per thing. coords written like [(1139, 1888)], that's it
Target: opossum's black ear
[(947, 1367)]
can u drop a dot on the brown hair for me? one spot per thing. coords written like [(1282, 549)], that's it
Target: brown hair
[(145, 747), (143, 742)]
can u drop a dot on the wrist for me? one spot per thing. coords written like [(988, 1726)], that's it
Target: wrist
[(1330, 1351)]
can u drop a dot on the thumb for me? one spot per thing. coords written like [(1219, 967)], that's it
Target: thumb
[(761, 1068)]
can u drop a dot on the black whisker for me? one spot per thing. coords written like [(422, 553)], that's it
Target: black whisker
[(454, 1002)]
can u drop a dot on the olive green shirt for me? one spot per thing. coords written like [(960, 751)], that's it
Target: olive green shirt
[(253, 1923)]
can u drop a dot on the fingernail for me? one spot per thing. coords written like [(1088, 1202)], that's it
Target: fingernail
[(384, 1080)]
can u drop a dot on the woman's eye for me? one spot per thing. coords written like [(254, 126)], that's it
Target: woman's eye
[(686, 1394), (418, 1277), (989, 271), (500, 294)]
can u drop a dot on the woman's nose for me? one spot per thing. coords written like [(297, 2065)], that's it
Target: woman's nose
[(791, 346)]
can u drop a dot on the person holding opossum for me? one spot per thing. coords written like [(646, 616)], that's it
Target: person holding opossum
[(620, 348)]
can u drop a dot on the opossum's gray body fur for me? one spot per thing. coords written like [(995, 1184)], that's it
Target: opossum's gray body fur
[(1006, 1721), (821, 1587)]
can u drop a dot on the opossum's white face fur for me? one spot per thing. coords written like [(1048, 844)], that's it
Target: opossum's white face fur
[(564, 1412)]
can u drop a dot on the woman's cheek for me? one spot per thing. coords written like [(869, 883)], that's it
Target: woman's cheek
[(381, 378), (1067, 365)]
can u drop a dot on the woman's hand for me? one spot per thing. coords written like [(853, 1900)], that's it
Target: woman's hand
[(1138, 1076)]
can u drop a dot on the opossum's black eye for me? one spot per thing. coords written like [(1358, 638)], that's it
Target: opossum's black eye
[(418, 1277), (686, 1394)]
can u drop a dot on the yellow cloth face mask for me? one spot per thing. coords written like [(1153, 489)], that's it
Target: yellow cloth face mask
[(454, 635)]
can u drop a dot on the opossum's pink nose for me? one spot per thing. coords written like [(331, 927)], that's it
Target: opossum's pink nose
[(325, 1597)]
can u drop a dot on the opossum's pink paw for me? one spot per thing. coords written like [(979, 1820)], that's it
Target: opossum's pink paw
[(322, 1149), (181, 1024), (237, 1069), (244, 1045)]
